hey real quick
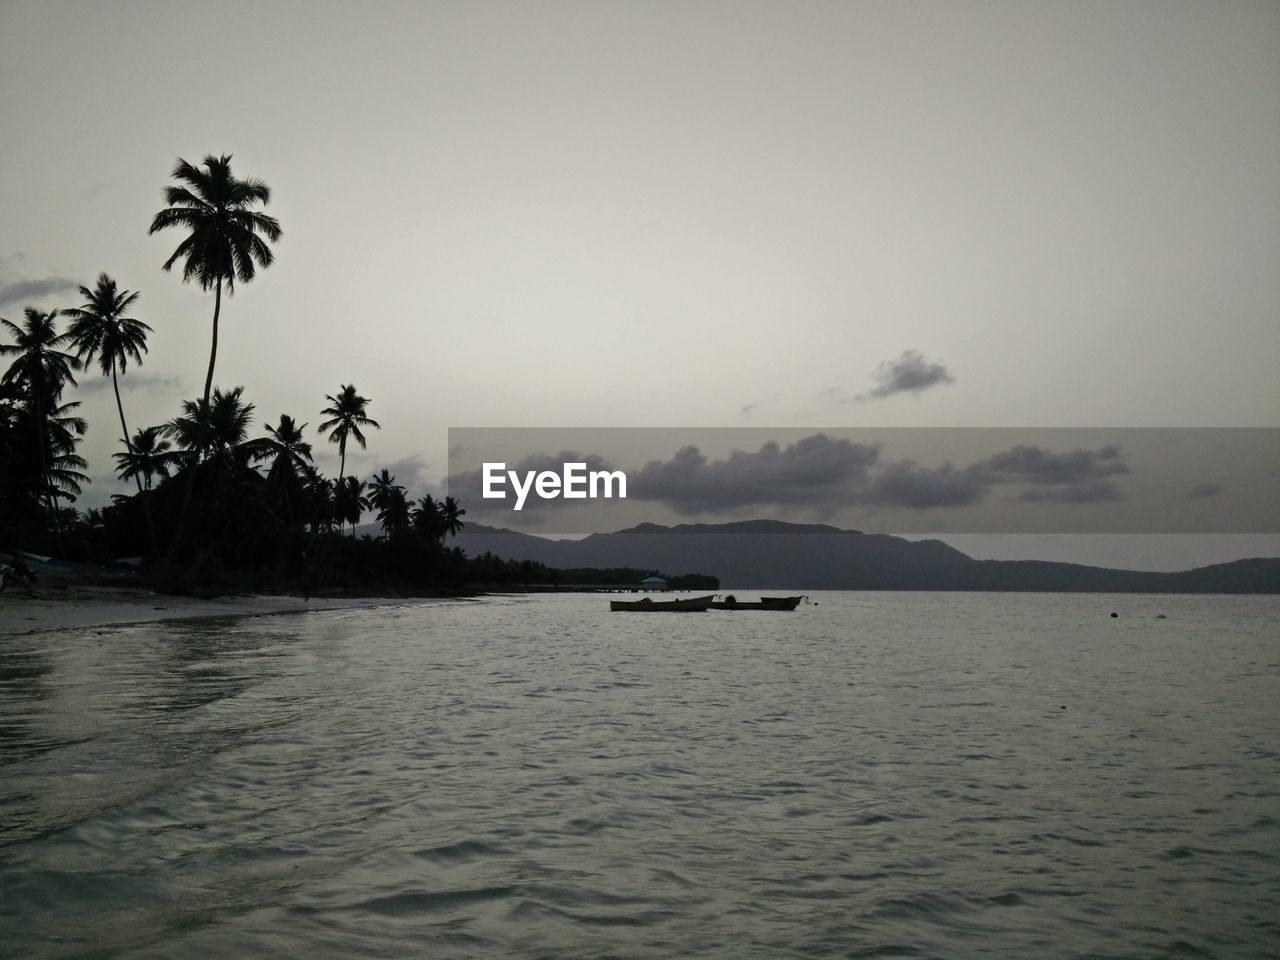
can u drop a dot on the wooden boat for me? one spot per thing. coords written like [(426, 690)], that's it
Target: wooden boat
[(764, 603), (649, 605)]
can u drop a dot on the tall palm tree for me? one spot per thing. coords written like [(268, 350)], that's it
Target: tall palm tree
[(100, 328), (346, 412), (224, 243), (42, 369)]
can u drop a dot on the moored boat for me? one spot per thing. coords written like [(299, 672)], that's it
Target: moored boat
[(764, 603), (649, 605)]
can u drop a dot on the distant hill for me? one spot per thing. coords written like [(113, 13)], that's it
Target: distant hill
[(771, 554)]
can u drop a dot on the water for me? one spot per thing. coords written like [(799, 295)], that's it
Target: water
[(881, 775)]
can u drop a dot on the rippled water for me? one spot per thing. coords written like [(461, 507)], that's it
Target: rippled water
[(878, 775)]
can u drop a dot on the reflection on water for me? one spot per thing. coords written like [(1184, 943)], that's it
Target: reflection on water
[(881, 775)]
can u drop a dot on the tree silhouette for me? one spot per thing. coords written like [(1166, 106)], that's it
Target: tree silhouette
[(100, 329), (225, 428), (290, 457), (428, 520), (224, 244), (451, 514), (350, 501), (388, 498), (347, 414), (148, 457), (41, 370)]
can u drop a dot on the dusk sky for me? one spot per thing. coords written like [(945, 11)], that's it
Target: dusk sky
[(669, 214)]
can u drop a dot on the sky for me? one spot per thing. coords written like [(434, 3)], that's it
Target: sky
[(616, 214)]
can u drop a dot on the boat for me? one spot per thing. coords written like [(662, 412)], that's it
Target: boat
[(649, 605), (764, 603)]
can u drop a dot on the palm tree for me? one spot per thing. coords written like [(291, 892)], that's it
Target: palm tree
[(100, 328), (291, 455), (318, 500), (224, 243), (388, 498), (350, 501), (347, 415), (451, 516), (148, 457), (427, 518), (225, 431), (42, 369), (64, 428)]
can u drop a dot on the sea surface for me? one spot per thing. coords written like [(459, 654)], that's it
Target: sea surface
[(873, 775)]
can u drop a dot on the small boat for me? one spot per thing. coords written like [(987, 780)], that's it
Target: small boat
[(649, 605), (764, 603)]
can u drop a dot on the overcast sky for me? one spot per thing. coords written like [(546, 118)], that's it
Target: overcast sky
[(671, 214)]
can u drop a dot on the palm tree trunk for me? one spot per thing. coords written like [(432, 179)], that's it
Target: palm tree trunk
[(124, 428), (203, 427), (342, 469)]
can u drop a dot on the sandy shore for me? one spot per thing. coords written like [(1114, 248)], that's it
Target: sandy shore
[(85, 606)]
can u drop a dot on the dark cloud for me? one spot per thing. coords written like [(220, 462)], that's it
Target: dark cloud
[(905, 484), (826, 474), (818, 471), (1040, 466), (1205, 490), (24, 291), (910, 373)]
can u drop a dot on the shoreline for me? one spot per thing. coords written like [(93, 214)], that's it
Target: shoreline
[(77, 607)]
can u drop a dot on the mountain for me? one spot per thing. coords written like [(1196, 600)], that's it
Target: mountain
[(771, 554)]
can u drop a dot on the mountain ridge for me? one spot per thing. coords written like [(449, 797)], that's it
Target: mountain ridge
[(771, 554)]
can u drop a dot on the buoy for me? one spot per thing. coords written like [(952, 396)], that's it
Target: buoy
[(1114, 614)]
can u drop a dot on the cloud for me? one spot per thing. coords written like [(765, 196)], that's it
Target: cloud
[(1204, 490), (24, 291), (748, 408), (1040, 466), (910, 373), (826, 474), (817, 471), (904, 484)]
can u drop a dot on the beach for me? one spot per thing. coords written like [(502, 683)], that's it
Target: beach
[(79, 606)]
